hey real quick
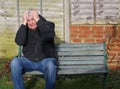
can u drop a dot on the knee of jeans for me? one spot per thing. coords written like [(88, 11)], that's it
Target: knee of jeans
[(51, 66), (14, 63)]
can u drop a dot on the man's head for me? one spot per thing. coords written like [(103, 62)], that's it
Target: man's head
[(31, 19)]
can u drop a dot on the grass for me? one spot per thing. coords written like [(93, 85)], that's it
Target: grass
[(68, 83), (5, 83), (92, 81)]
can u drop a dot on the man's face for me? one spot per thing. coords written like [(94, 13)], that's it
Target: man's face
[(32, 24)]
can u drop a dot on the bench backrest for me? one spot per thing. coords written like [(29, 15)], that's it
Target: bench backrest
[(81, 58)]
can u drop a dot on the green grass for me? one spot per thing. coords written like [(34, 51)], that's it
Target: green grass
[(92, 81), (5, 83), (69, 83)]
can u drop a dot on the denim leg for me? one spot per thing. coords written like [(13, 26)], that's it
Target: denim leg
[(47, 66), (49, 70), (16, 70), (18, 67)]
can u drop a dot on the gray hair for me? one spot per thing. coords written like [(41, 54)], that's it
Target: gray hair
[(29, 11)]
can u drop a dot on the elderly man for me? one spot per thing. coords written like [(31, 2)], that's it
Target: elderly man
[(36, 35)]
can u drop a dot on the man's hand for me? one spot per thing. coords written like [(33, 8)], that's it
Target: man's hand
[(28, 14), (35, 15), (25, 17)]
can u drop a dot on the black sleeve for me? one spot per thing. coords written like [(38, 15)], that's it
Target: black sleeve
[(46, 30), (21, 35)]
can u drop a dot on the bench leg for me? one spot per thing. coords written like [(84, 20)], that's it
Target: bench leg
[(105, 80)]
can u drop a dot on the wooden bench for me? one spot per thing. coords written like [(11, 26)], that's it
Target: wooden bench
[(81, 58)]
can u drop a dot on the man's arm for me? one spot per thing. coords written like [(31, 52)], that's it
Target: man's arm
[(21, 35)]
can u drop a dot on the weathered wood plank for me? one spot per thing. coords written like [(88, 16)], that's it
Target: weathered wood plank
[(87, 53), (82, 58), (74, 71), (79, 71), (81, 49), (80, 62), (80, 45), (82, 66)]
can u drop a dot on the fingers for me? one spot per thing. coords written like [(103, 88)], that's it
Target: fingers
[(35, 15), (29, 13), (25, 17)]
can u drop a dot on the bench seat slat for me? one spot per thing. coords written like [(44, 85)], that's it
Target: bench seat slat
[(83, 71), (82, 66), (34, 72), (82, 58), (80, 62), (80, 45), (80, 53), (80, 49), (75, 71)]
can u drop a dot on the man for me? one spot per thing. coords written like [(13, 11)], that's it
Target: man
[(36, 35)]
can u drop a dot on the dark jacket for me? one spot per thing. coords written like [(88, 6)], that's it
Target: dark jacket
[(38, 44)]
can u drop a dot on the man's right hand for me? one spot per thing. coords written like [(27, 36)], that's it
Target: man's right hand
[(25, 17)]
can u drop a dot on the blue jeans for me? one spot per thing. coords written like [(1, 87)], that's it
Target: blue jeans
[(46, 66)]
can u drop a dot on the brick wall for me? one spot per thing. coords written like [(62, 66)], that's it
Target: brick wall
[(100, 33)]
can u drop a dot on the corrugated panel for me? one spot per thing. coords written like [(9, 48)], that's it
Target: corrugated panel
[(53, 11)]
